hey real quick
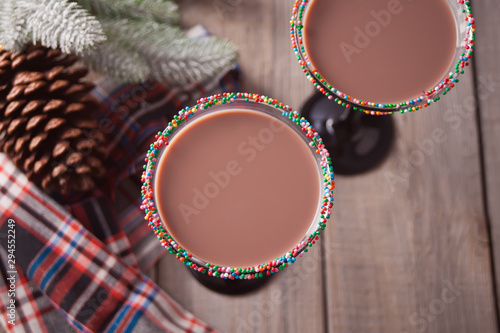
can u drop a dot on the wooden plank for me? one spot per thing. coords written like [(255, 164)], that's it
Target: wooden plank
[(408, 251), (292, 301), (487, 13)]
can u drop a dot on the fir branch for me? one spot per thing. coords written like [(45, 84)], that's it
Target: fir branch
[(65, 25), (54, 23), (118, 62), (173, 58), (163, 11), (13, 32), (193, 60)]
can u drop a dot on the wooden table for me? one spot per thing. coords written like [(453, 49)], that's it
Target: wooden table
[(415, 244)]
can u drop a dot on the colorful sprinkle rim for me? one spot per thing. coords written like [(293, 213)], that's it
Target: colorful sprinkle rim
[(161, 142), (463, 54)]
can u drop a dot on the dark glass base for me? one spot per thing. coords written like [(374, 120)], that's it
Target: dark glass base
[(229, 287), (357, 142)]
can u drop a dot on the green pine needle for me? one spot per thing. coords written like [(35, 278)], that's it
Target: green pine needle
[(172, 58), (13, 31), (158, 10), (65, 25), (54, 23), (118, 62), (193, 60)]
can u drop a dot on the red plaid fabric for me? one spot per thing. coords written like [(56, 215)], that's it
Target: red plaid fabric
[(60, 265), (77, 262)]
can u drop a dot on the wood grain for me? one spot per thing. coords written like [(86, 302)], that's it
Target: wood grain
[(403, 233), (487, 14), (408, 250), (410, 232)]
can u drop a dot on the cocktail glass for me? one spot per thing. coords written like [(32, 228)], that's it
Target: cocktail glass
[(236, 280), (359, 142)]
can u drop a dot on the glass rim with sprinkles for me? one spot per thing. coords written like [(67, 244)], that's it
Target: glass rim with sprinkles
[(461, 60), (286, 115)]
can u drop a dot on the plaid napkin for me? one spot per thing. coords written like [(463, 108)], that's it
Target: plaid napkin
[(78, 262)]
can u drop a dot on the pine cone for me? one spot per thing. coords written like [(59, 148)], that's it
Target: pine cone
[(48, 123)]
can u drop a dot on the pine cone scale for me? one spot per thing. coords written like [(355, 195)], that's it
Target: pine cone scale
[(15, 93), (59, 86), (5, 57), (60, 148), (21, 143), (4, 63), (3, 126), (83, 169), (74, 107), (85, 145), (35, 87), (54, 105), (36, 141), (13, 107), (27, 77), (74, 159), (36, 54), (72, 133), (35, 121), (17, 61), (55, 73), (58, 171), (8, 146), (41, 164), (32, 107), (28, 162), (54, 123), (15, 125)]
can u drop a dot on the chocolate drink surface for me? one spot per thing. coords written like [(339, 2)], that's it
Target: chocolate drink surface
[(384, 51), (237, 188)]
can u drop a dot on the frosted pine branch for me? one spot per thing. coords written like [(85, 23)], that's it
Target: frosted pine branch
[(13, 32), (171, 56), (158, 10), (118, 62), (132, 38), (65, 25), (193, 60)]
